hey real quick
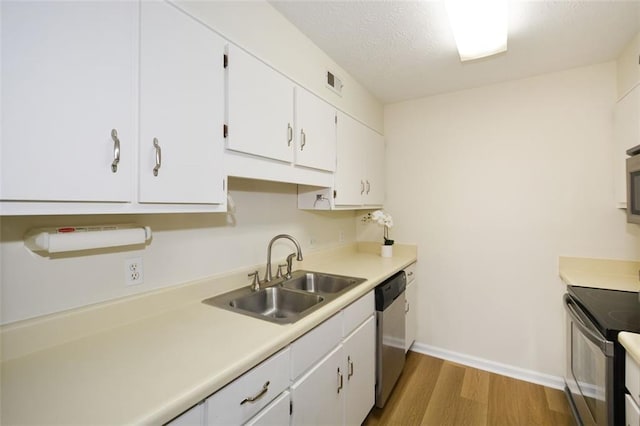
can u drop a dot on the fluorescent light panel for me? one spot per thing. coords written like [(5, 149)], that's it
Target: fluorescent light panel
[(479, 27)]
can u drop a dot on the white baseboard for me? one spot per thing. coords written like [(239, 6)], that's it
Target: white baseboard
[(548, 380)]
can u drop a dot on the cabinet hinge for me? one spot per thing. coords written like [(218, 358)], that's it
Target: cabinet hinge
[(335, 194), (290, 407), (225, 131), (225, 60)]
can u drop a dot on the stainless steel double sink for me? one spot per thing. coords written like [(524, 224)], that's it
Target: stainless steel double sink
[(286, 300)]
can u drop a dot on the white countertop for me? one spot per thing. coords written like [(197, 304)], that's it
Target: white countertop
[(608, 274), (631, 343), (600, 273), (148, 358)]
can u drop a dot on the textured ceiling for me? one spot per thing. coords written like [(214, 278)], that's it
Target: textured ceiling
[(405, 49)]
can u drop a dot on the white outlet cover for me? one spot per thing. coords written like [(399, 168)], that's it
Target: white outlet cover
[(133, 271)]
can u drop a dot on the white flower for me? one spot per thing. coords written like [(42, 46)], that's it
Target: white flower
[(382, 218)]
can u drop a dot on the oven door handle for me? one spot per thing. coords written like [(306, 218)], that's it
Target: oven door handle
[(586, 328)]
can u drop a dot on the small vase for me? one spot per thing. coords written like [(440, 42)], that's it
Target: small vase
[(386, 251)]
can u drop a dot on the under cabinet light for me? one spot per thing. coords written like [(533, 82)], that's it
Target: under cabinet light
[(479, 27)]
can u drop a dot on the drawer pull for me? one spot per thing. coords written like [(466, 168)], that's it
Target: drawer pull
[(257, 396)]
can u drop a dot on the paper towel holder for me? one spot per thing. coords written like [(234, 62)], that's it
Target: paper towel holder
[(79, 238)]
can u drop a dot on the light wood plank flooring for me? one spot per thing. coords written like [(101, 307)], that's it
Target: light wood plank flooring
[(436, 392)]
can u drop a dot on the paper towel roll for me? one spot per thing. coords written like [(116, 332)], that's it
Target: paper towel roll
[(57, 242)]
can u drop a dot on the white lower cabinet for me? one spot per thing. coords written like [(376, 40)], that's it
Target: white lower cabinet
[(340, 388), (318, 396), (360, 381), (325, 377), (411, 313), (632, 398)]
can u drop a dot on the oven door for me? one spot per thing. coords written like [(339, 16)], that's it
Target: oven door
[(589, 369)]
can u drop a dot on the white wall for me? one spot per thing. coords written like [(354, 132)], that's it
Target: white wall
[(260, 29), (494, 184), (184, 247)]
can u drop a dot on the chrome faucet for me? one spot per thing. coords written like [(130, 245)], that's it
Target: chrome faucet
[(267, 276)]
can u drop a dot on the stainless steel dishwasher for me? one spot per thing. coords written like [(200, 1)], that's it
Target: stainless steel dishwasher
[(390, 334)]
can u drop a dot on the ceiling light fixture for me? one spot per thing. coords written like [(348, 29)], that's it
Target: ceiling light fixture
[(479, 27)]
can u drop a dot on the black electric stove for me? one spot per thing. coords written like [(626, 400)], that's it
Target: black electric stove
[(612, 311)]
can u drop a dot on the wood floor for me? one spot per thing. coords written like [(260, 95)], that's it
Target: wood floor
[(436, 392)]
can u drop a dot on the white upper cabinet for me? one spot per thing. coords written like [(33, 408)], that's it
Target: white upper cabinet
[(181, 108), (626, 135), (259, 108), (359, 177), (315, 132), (69, 79)]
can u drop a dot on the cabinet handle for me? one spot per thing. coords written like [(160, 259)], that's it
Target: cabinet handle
[(410, 274), (407, 307), (303, 136), (257, 396), (289, 134), (350, 363), (339, 380), (361, 187), (158, 156), (116, 150), (368, 187)]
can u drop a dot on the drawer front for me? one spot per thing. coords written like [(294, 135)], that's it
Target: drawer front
[(632, 411), (233, 404), (358, 312), (632, 377), (411, 272), (276, 413), (314, 345)]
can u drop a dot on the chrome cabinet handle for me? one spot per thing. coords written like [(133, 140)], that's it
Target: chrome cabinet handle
[(303, 136), (116, 150), (361, 187), (158, 156), (260, 394), (350, 363), (339, 380), (368, 187), (289, 134)]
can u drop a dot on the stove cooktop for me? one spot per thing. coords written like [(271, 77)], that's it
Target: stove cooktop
[(612, 310)]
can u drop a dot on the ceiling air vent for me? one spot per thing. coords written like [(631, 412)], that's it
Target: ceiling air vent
[(334, 83)]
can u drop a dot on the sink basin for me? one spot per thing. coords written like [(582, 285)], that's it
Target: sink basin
[(274, 304), (316, 282), (286, 300)]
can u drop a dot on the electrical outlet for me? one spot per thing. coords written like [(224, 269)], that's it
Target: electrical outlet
[(133, 271)]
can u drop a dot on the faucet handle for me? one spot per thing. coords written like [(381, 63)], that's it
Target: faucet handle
[(279, 274), (255, 283)]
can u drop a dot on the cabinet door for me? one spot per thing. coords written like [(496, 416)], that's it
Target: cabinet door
[(349, 176), (259, 109), (275, 414), (182, 108), (318, 397), (411, 318), (69, 77), (626, 135), (360, 350), (373, 147), (315, 132)]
